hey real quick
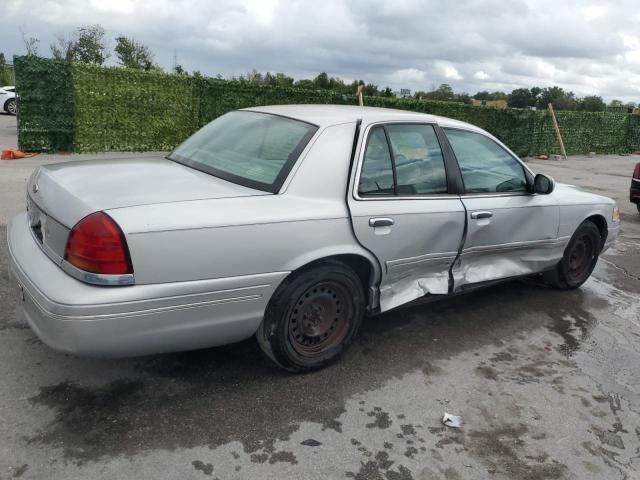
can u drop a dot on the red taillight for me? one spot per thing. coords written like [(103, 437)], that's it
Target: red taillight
[(96, 244), (636, 171)]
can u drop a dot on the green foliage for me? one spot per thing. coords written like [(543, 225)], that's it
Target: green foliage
[(46, 120), (128, 110), (132, 54), (90, 45), (561, 99), (523, 98), (7, 76), (592, 103), (81, 107), (85, 45), (497, 95)]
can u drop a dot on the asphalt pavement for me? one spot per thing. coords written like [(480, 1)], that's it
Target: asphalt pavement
[(547, 383)]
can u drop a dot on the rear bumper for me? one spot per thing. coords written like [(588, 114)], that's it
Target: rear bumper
[(74, 317)]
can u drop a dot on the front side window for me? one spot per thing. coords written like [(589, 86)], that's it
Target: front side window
[(402, 159), (253, 149), (486, 167)]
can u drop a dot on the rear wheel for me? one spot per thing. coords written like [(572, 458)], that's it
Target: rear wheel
[(579, 258), (312, 317), (11, 106)]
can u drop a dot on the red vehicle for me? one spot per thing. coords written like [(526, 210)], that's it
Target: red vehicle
[(634, 191)]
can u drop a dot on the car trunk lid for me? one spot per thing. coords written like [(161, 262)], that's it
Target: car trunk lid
[(67, 192)]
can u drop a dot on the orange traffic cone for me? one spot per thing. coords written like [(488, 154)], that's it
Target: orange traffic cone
[(15, 154)]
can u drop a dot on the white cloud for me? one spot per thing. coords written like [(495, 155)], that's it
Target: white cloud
[(447, 71), (593, 12), (407, 75), (475, 45)]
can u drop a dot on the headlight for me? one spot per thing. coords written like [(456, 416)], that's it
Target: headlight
[(615, 216)]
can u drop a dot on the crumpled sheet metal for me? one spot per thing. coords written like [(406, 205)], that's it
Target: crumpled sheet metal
[(406, 290)]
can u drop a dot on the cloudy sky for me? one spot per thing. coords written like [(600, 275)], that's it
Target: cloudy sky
[(589, 47)]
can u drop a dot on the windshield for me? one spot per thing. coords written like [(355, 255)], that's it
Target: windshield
[(253, 149)]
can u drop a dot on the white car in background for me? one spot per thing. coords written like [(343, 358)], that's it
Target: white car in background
[(8, 100)]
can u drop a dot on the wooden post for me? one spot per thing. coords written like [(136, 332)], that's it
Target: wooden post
[(557, 128), (359, 94)]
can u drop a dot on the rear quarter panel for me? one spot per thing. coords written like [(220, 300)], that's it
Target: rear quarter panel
[(227, 237)]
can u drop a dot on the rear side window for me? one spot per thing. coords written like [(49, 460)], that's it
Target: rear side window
[(403, 159), (377, 170), (486, 167), (418, 159)]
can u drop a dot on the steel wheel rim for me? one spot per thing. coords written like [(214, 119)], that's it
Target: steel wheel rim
[(12, 107), (320, 318), (581, 258)]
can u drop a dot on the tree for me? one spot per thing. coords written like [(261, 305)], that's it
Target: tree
[(132, 54), (462, 98), (443, 93), (63, 48), (615, 103), (90, 45), (387, 92), (523, 97), (30, 44), (561, 99), (483, 95), (321, 81), (592, 103), (86, 45)]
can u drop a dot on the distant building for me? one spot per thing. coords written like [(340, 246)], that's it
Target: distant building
[(490, 103)]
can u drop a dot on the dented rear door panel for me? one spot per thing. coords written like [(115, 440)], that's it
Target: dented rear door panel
[(415, 252)]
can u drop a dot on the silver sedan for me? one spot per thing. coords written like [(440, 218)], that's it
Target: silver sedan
[(290, 223)]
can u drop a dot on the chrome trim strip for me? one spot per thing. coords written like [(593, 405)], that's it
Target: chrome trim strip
[(97, 278), (548, 243), (136, 313), (635, 180), (428, 257)]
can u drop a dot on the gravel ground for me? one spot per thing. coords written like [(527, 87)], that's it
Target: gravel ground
[(547, 383)]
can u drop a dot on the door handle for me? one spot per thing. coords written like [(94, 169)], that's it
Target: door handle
[(479, 215), (381, 222)]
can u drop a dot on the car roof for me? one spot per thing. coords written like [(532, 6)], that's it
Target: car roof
[(325, 115)]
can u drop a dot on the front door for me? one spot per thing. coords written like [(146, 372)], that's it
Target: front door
[(510, 231), (404, 211)]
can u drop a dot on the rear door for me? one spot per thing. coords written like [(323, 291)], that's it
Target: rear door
[(510, 231), (405, 209)]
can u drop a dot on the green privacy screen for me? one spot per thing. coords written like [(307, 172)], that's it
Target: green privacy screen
[(77, 107)]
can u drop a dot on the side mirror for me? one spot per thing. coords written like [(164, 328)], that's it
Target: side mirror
[(543, 185)]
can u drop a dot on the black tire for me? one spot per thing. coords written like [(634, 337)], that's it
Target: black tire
[(638, 207), (10, 106), (579, 259), (311, 318)]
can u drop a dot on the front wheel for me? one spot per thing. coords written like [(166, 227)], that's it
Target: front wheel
[(312, 317), (579, 258), (11, 106)]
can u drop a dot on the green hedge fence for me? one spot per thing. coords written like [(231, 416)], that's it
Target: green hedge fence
[(77, 107)]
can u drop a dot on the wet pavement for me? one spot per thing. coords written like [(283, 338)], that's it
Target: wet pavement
[(547, 383)]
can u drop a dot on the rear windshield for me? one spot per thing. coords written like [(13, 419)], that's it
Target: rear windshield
[(253, 149)]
